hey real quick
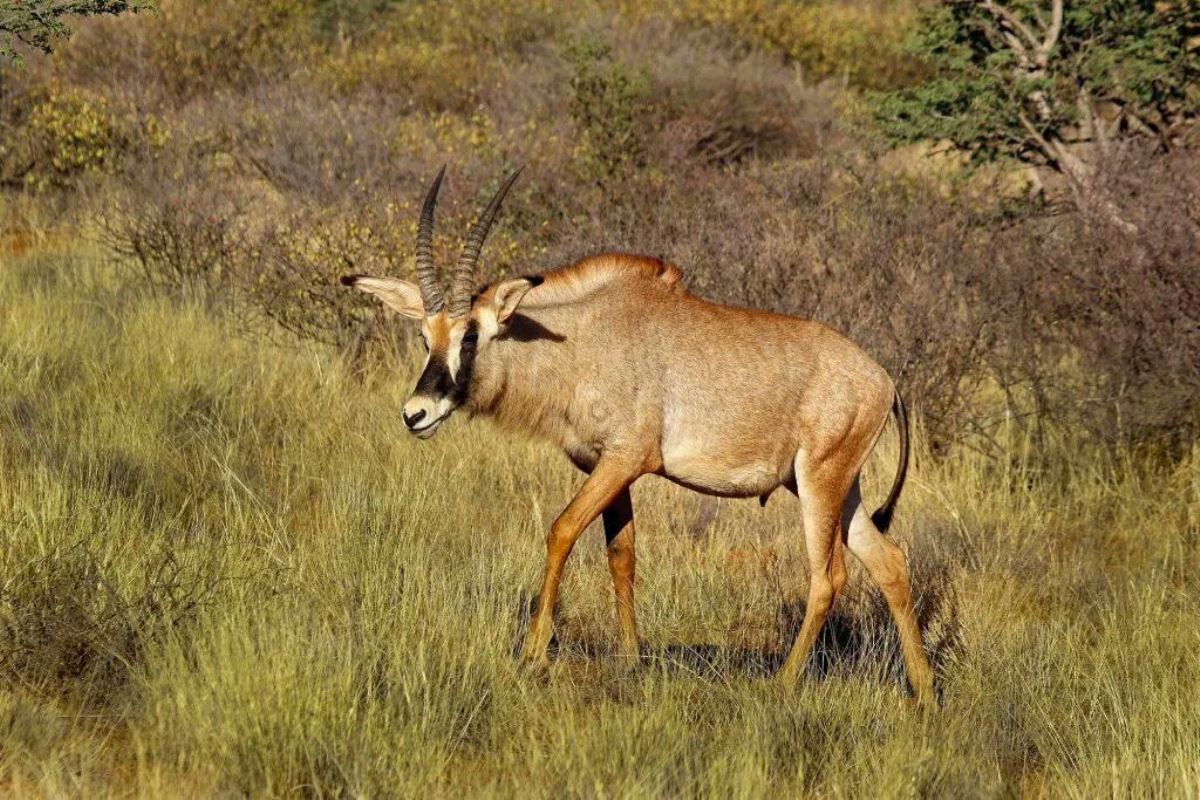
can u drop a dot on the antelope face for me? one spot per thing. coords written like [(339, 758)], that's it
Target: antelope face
[(455, 326), (450, 347), (452, 344)]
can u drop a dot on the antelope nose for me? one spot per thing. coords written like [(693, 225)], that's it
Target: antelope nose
[(412, 420)]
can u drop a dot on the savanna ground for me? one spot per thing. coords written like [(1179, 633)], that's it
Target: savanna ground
[(225, 570)]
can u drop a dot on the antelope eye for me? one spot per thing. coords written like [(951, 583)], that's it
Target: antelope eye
[(471, 337)]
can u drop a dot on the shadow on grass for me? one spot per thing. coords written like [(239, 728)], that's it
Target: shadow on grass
[(859, 638)]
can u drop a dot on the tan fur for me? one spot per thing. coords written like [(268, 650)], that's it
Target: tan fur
[(606, 355), (614, 361)]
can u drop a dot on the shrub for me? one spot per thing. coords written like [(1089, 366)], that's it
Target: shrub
[(292, 279), (708, 106), (65, 134), (182, 237), (198, 48), (609, 101), (442, 57), (68, 620), (1128, 304)]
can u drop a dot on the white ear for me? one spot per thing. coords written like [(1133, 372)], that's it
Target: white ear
[(508, 296), (400, 296)]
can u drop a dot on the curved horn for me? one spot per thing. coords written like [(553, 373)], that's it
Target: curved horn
[(431, 293), (464, 272)]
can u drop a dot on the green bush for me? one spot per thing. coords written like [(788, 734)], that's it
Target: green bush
[(609, 102)]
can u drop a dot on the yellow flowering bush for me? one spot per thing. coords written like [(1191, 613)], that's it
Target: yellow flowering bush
[(70, 133)]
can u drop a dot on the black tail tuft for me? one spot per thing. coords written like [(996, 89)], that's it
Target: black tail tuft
[(349, 280), (882, 518), (883, 515)]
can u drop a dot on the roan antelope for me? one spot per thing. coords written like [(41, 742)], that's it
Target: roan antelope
[(614, 361)]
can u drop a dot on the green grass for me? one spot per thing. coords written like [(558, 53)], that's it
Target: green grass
[(224, 568)]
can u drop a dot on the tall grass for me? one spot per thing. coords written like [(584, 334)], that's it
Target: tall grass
[(224, 569)]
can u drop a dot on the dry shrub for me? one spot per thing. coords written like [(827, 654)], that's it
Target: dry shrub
[(187, 50), (292, 279), (66, 622), (1129, 303), (441, 57), (181, 233), (715, 106), (655, 99), (57, 136), (306, 145), (201, 47)]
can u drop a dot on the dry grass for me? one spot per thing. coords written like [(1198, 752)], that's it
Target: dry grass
[(224, 569)]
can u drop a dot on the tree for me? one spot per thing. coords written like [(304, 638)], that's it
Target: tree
[(1050, 84), (39, 24)]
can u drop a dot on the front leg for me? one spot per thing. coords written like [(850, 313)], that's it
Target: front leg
[(610, 477)]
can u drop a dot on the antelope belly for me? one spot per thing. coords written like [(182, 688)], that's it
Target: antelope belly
[(713, 475)]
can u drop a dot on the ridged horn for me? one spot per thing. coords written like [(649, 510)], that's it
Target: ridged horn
[(431, 292), (463, 279)]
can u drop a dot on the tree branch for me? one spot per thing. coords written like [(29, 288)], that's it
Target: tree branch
[(1042, 143), (1014, 23), (1052, 33)]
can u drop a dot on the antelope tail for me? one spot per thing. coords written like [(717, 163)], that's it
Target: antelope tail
[(883, 515)]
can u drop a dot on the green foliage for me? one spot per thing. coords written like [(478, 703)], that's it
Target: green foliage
[(608, 102), (1132, 63), (39, 24)]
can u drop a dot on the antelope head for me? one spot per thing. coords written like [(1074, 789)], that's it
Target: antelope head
[(456, 326)]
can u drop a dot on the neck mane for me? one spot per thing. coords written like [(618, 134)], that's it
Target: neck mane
[(579, 281)]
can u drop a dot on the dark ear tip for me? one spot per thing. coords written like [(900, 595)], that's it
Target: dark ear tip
[(349, 280), (535, 280)]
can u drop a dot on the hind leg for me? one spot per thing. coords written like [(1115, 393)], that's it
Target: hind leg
[(889, 570), (622, 562), (821, 493)]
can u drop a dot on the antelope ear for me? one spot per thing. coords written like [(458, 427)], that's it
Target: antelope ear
[(508, 296), (400, 296)]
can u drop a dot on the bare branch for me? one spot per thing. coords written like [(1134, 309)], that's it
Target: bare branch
[(1014, 43), (1052, 33), (1014, 23), (1042, 143)]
